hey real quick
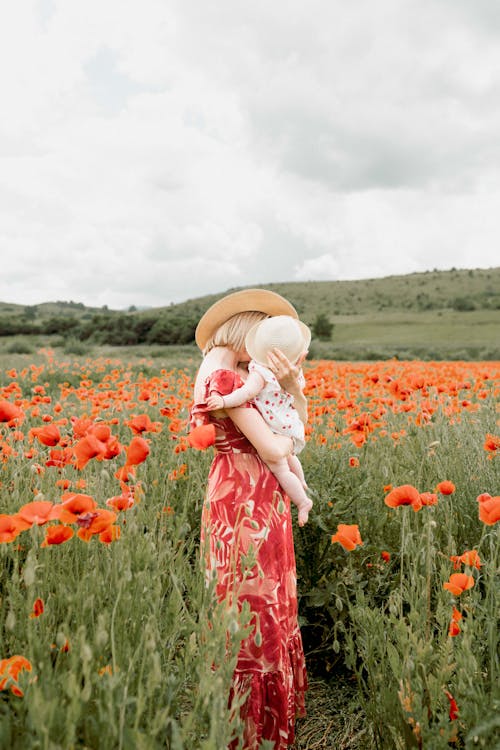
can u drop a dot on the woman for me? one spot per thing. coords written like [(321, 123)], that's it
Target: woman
[(246, 522)]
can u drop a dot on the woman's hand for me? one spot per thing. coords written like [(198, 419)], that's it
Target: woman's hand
[(287, 375)]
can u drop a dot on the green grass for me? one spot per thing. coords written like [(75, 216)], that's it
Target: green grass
[(411, 316), (139, 608)]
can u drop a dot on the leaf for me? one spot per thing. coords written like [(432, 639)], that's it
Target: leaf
[(394, 660)]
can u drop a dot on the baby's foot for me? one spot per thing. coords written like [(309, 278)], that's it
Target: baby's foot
[(304, 509)]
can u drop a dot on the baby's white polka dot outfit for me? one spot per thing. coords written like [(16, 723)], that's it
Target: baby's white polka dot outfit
[(277, 408)]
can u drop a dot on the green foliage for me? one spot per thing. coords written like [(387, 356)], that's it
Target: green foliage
[(463, 304), (432, 315), (19, 346), (388, 622), (322, 327), (150, 662)]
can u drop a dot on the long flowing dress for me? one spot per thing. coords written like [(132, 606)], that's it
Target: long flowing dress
[(246, 518)]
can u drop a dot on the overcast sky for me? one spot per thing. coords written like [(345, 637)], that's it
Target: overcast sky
[(156, 150)]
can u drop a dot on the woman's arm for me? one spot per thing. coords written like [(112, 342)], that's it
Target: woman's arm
[(269, 446)]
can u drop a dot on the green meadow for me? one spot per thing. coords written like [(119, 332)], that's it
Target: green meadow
[(435, 315), (131, 650)]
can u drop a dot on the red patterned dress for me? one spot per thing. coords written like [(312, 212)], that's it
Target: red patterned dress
[(246, 510)]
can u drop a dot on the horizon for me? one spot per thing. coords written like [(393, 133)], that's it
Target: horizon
[(139, 308)]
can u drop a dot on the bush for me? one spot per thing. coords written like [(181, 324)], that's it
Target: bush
[(19, 347), (463, 304), (322, 327), (79, 348)]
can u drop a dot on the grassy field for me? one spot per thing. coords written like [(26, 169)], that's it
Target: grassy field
[(108, 636), (437, 335), (435, 315)]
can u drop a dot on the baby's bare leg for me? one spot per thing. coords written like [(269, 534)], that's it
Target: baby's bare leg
[(296, 467), (293, 487)]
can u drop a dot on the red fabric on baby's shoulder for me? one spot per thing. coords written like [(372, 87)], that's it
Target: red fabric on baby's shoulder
[(222, 382)]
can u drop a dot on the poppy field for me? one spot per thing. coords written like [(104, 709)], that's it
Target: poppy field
[(110, 637)]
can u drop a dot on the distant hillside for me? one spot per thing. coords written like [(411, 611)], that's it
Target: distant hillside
[(437, 314), (432, 290)]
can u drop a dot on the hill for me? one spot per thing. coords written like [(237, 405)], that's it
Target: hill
[(431, 290), (436, 314)]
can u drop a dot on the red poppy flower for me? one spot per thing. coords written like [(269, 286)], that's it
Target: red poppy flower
[(47, 435), (470, 557), (9, 412), (101, 431), (137, 451), (458, 583), (38, 608), (142, 423), (428, 498), (9, 673), (386, 556), (406, 494), (202, 437), (57, 535), (454, 629), (94, 522), (38, 512), (9, 528), (354, 462), (81, 426), (110, 534), (491, 443), (446, 488), (60, 458), (86, 448), (348, 536), (113, 448), (120, 502), (73, 505), (125, 473), (453, 706), (489, 508)]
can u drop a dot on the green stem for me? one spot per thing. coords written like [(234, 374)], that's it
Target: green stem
[(401, 570), (428, 577), (493, 610)]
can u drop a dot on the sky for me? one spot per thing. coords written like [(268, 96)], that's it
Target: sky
[(153, 151)]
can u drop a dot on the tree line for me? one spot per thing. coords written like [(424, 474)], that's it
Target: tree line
[(103, 328), (121, 329)]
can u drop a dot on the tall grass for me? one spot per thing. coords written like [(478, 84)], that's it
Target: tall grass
[(132, 651)]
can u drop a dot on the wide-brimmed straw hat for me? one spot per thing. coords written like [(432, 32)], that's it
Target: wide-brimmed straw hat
[(282, 332), (246, 300)]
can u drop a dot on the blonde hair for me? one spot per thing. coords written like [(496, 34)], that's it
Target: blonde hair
[(233, 332)]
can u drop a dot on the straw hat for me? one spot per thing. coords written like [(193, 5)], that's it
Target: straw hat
[(282, 332), (247, 300)]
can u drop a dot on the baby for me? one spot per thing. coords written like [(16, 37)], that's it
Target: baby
[(292, 337)]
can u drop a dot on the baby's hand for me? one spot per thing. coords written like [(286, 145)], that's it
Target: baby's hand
[(215, 402)]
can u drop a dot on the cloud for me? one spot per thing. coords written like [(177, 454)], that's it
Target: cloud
[(156, 152), (324, 267)]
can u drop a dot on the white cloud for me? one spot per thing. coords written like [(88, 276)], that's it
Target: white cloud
[(211, 145), (324, 267)]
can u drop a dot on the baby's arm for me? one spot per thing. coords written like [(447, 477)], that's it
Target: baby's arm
[(252, 386)]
